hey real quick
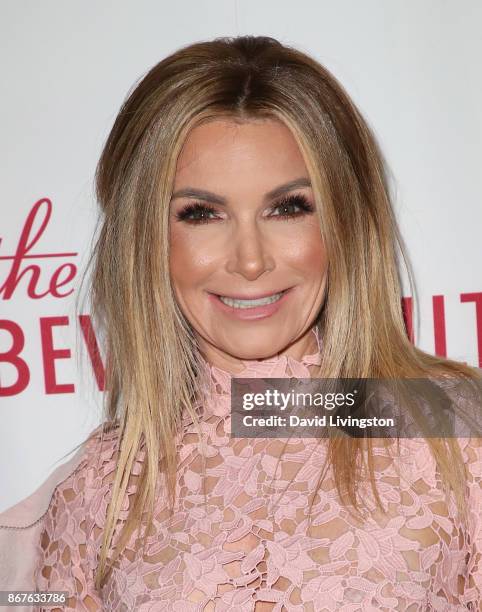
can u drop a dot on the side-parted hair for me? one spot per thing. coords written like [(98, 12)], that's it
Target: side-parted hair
[(151, 354)]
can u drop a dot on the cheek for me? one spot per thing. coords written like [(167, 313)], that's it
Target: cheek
[(179, 259), (306, 251), (191, 257)]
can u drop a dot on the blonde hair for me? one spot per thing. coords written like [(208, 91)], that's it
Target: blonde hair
[(151, 353)]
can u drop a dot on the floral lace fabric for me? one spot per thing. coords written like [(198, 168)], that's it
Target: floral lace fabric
[(251, 548)]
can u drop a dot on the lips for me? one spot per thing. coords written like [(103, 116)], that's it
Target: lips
[(258, 296), (250, 312)]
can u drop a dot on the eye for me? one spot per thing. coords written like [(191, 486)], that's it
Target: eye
[(287, 208), (288, 205), (196, 213)]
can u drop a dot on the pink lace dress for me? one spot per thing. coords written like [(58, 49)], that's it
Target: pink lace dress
[(250, 548)]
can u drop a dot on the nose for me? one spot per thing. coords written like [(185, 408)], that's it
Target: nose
[(249, 253)]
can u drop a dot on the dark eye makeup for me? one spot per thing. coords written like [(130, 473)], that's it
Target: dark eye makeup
[(284, 209)]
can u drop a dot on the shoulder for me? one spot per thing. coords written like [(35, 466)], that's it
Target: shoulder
[(420, 458), (418, 451), (55, 509), (80, 475), (86, 484)]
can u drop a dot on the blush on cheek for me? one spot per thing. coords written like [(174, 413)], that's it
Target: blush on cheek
[(305, 250)]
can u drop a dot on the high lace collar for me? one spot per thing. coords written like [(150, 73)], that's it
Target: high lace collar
[(215, 382)]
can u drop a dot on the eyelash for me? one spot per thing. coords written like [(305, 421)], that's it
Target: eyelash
[(293, 200)]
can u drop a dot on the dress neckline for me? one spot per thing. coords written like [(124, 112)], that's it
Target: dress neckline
[(215, 382)]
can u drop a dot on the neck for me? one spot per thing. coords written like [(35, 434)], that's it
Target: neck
[(302, 361), (307, 344)]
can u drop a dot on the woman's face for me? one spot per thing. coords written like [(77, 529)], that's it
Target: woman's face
[(243, 226)]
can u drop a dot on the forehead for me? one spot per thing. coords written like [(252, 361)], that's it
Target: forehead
[(225, 147)]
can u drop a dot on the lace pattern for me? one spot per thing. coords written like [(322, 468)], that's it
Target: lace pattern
[(251, 547)]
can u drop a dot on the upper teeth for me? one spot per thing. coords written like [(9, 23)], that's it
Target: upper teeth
[(251, 303)]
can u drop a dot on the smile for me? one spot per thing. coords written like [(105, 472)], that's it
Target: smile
[(250, 308), (251, 303)]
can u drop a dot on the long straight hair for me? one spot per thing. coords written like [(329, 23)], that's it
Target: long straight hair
[(151, 354)]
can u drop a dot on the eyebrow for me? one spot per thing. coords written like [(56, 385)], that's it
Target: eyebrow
[(208, 196)]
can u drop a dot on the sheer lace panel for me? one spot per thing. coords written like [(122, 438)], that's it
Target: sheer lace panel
[(251, 546)]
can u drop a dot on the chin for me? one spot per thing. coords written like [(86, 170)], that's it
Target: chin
[(254, 350)]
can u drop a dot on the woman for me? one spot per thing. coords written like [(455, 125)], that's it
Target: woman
[(248, 232)]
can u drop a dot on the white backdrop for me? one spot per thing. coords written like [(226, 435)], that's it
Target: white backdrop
[(412, 66)]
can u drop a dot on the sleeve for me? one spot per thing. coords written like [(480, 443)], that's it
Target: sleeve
[(473, 586), (67, 545)]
